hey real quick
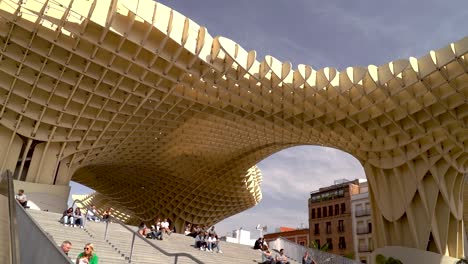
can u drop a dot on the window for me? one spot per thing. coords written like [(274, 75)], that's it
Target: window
[(330, 210), (340, 226), (369, 225), (324, 211), (337, 209), (328, 227), (330, 243), (302, 243), (341, 193), (319, 212), (343, 208), (342, 243), (317, 242), (312, 215), (316, 229)]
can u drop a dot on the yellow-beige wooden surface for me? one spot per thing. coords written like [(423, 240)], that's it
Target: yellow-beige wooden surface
[(143, 105)]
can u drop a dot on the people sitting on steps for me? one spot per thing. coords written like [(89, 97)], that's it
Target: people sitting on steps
[(156, 230), (258, 243)]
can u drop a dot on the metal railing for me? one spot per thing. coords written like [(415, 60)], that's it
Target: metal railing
[(296, 252), (364, 248), (26, 234), (135, 235), (9, 253), (363, 230), (362, 212)]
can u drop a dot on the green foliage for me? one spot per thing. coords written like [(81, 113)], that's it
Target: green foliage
[(379, 259), (349, 255), (321, 248)]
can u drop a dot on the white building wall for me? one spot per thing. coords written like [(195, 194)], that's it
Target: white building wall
[(361, 218)]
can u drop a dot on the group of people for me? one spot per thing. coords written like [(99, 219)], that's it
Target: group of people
[(156, 231), (206, 240), (75, 218), (86, 257), (267, 256)]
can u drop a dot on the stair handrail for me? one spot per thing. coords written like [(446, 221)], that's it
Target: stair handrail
[(296, 252), (14, 242), (136, 234)]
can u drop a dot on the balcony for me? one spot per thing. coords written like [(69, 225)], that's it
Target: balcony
[(363, 230), (363, 212), (365, 248)]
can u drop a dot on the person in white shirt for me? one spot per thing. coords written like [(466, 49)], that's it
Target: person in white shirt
[(165, 227), (22, 198), (92, 214), (211, 242)]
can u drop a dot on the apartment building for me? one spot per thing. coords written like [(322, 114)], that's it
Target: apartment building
[(330, 218), (362, 223)]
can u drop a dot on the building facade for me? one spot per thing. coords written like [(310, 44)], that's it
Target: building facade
[(330, 221), (362, 224), (298, 236)]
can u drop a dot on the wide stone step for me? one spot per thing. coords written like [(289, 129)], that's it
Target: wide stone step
[(118, 243)]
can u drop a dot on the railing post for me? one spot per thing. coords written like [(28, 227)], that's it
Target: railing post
[(175, 259), (105, 233), (15, 252), (131, 247), (85, 217)]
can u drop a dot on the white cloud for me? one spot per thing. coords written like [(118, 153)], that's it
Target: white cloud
[(288, 178)]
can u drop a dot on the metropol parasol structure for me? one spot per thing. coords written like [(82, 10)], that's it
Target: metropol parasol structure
[(143, 105)]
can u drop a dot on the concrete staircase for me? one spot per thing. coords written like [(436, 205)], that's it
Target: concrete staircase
[(116, 249), (49, 222)]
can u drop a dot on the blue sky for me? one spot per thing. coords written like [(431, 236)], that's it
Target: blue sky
[(336, 33)]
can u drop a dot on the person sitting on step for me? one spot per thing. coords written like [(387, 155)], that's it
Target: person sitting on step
[(218, 248), (281, 258), (156, 230), (267, 257), (165, 227), (143, 230), (67, 217), (107, 215), (92, 214), (211, 242), (78, 218), (22, 198), (200, 241)]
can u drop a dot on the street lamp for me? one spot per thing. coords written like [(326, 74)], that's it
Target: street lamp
[(261, 229)]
